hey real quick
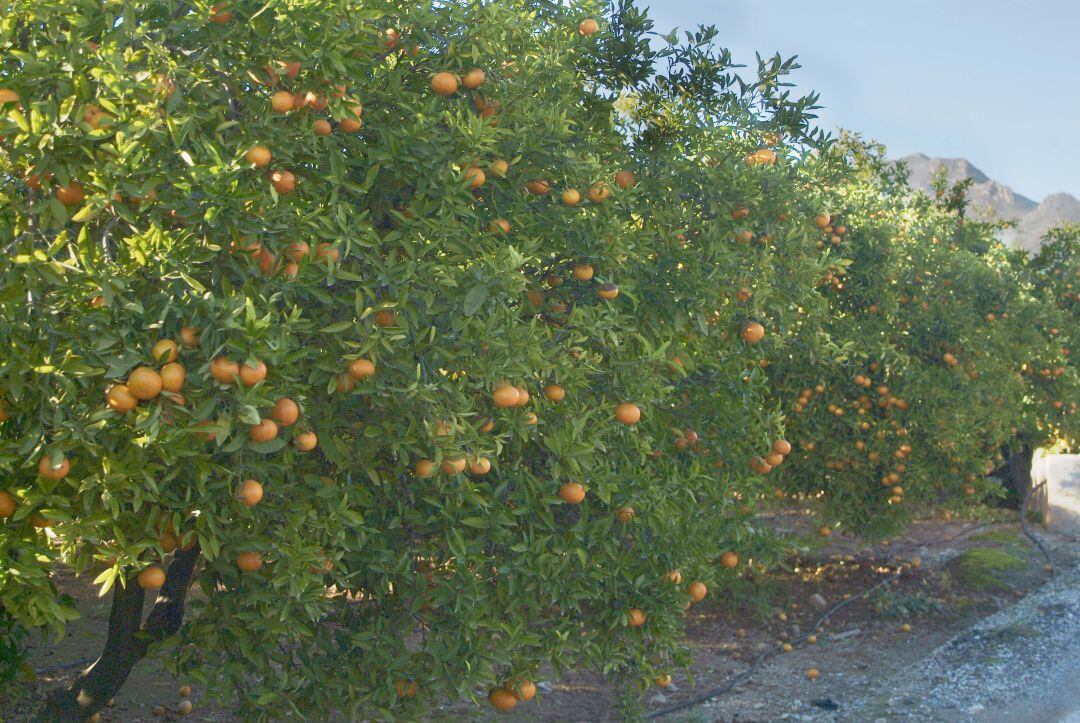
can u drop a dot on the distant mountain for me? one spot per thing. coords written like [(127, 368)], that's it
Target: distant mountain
[(990, 199)]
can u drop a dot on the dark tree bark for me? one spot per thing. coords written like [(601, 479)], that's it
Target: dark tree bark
[(127, 643), (1019, 474)]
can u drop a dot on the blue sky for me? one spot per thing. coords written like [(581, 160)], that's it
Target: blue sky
[(993, 81)]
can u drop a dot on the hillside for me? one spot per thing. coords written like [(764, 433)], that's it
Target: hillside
[(996, 200)]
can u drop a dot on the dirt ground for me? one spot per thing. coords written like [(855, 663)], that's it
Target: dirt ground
[(941, 577)]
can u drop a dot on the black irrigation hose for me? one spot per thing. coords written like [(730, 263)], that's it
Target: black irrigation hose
[(746, 674), (1030, 535)]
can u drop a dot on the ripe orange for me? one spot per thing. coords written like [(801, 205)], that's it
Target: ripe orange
[(144, 383), (385, 317), (554, 392), (572, 493), (505, 396), (259, 156), (184, 707), (473, 79), (281, 101), (499, 224), (330, 252), (164, 350), (635, 617), (71, 194), (322, 127), (120, 398), (297, 250), (729, 560), (598, 192), (350, 125), (173, 376), (825, 531), (625, 514), (224, 370), (571, 197), (252, 375), (7, 504), (475, 177), (753, 332), (283, 181), (662, 680), (251, 493), (424, 468), (813, 674), (189, 336), (774, 459), (454, 466), (151, 578), (525, 691), (628, 413), (444, 84), (608, 291), (674, 577), (306, 441), (405, 688), (539, 187), (264, 431), (588, 26), (249, 561), (8, 96), (697, 591), (480, 466), (285, 412), (583, 272), (625, 179), (499, 167), (220, 14), (782, 446), (502, 699), (822, 220)]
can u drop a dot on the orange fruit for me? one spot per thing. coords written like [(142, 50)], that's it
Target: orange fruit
[(385, 317), (220, 14), (753, 332), (598, 193), (825, 531), (184, 707), (554, 392), (813, 674), (773, 459), (306, 441), (572, 493), (499, 167), (224, 370), (539, 187), (571, 197), (523, 396), (697, 591), (525, 691), (782, 446), (264, 431), (281, 101), (625, 514), (628, 413), (505, 396), (249, 561), (144, 383), (454, 466), (588, 26), (405, 688), (729, 560), (120, 398), (662, 681), (285, 412), (475, 177), (499, 224), (674, 577), (7, 504), (164, 350), (502, 699), (283, 181), (297, 250), (635, 617), (905, 628), (252, 375), (251, 493), (8, 96), (173, 376), (625, 179), (259, 156), (424, 468), (444, 84), (322, 127), (480, 466), (350, 125), (71, 194), (583, 272), (327, 251), (473, 79), (608, 291), (151, 577), (822, 220), (189, 336)]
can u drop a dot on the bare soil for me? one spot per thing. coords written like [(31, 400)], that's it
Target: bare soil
[(920, 580)]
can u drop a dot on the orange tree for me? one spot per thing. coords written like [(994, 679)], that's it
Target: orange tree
[(339, 318), (910, 389)]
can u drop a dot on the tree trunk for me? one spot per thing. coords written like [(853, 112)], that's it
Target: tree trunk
[(1019, 474), (127, 642)]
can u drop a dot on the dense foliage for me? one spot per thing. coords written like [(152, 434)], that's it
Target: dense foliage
[(435, 344)]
